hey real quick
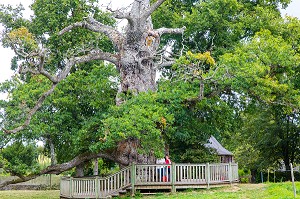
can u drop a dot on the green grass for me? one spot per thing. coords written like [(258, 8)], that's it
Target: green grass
[(241, 191), (22, 194)]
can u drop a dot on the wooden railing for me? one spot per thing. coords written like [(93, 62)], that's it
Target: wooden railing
[(138, 175), (94, 187), (186, 173)]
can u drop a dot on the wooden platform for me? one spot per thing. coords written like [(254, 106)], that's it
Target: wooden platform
[(155, 177)]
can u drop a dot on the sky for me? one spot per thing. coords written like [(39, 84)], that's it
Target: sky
[(7, 54)]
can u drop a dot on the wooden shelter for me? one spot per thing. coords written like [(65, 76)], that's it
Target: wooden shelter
[(225, 155)]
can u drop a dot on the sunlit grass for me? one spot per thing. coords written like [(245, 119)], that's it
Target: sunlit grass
[(30, 194), (240, 191)]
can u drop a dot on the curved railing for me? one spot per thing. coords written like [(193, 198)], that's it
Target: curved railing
[(94, 187), (138, 175)]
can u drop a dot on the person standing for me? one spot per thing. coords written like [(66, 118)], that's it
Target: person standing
[(168, 169), (160, 169)]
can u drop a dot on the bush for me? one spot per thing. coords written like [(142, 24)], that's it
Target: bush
[(245, 175)]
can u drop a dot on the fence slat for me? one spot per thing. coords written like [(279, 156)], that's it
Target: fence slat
[(141, 174)]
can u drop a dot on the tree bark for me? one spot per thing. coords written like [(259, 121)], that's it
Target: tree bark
[(253, 175), (127, 152), (52, 152), (80, 170), (96, 167)]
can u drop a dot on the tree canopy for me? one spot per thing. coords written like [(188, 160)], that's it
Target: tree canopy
[(179, 72)]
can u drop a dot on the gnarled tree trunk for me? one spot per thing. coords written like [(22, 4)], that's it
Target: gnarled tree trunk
[(136, 65), (137, 70)]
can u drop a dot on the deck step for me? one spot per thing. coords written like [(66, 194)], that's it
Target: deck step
[(118, 193), (122, 191), (149, 193), (115, 195)]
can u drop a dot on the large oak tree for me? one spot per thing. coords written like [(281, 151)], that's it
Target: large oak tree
[(47, 53)]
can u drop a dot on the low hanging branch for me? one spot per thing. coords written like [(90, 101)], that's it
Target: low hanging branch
[(59, 168), (112, 154), (91, 24)]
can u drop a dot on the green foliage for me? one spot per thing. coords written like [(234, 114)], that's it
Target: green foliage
[(194, 120), (217, 26), (20, 159), (141, 117)]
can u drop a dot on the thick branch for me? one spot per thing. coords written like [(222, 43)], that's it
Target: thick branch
[(27, 56), (59, 168), (95, 55), (32, 111), (95, 26), (166, 64), (41, 56), (120, 14), (162, 31), (151, 9), (18, 180)]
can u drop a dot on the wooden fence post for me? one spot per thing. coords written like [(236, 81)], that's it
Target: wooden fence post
[(97, 187), (71, 187), (173, 177), (50, 181), (293, 179), (133, 176), (230, 172), (207, 175)]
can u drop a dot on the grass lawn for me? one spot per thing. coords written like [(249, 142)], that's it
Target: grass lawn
[(24, 194), (240, 191)]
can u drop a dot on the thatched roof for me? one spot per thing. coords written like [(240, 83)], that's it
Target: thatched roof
[(214, 144)]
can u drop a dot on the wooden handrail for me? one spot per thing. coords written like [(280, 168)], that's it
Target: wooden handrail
[(176, 174)]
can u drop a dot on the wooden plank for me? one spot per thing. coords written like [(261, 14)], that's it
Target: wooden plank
[(181, 175), (133, 176)]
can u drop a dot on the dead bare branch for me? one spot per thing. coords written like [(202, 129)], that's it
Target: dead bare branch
[(32, 111), (162, 31), (95, 55), (91, 24), (166, 64), (151, 9)]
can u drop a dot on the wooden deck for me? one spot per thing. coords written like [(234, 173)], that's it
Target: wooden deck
[(138, 177)]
